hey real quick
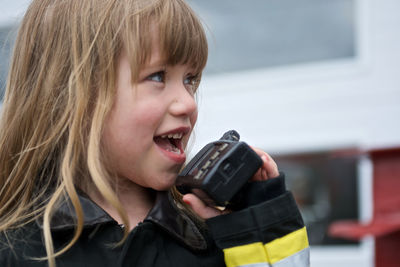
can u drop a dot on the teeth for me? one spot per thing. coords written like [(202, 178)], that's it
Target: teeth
[(174, 136), (178, 135), (174, 149)]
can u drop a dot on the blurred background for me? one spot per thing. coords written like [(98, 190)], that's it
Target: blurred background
[(316, 83)]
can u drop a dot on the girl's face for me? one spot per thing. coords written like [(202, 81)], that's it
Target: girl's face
[(150, 123)]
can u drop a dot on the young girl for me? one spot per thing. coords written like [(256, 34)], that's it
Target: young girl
[(98, 111)]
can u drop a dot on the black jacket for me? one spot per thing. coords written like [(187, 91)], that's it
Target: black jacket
[(167, 237)]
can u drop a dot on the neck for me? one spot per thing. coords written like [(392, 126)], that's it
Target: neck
[(136, 201)]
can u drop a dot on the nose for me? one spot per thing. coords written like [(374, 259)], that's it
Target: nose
[(183, 103)]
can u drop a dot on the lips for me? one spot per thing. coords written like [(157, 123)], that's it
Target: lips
[(171, 144)]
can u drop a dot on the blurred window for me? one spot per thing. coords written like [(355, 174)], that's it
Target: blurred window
[(255, 34), (245, 35), (324, 185)]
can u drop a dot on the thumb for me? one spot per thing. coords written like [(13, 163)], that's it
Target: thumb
[(199, 207)]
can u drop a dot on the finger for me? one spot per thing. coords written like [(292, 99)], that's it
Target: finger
[(258, 176), (270, 166), (264, 174), (199, 207)]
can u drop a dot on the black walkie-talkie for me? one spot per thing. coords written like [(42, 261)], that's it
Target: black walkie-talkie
[(219, 170)]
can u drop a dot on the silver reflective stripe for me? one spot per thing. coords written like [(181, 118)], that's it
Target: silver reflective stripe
[(300, 259)]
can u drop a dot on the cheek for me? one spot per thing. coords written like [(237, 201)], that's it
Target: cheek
[(147, 113), (193, 118), (148, 117)]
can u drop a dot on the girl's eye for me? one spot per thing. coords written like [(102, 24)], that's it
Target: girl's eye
[(192, 82), (157, 77)]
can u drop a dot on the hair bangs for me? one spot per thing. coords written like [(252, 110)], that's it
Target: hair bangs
[(182, 39), (180, 35)]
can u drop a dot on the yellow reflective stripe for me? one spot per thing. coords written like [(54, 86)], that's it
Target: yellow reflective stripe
[(287, 245), (246, 254), (271, 252)]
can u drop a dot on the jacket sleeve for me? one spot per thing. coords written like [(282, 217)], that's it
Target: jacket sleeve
[(269, 232)]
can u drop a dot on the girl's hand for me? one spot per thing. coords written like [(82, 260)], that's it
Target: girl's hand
[(268, 170)]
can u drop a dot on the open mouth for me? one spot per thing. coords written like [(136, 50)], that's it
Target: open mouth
[(171, 142)]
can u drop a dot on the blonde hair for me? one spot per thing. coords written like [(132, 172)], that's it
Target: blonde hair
[(60, 89)]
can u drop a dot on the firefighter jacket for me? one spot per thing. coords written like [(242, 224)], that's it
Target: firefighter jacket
[(266, 231)]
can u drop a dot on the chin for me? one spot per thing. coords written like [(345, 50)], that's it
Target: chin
[(163, 187), (165, 184)]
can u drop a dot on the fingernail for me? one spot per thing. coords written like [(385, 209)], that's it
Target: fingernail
[(186, 202)]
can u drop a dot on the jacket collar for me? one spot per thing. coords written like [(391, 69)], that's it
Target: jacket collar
[(177, 223), (165, 214)]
